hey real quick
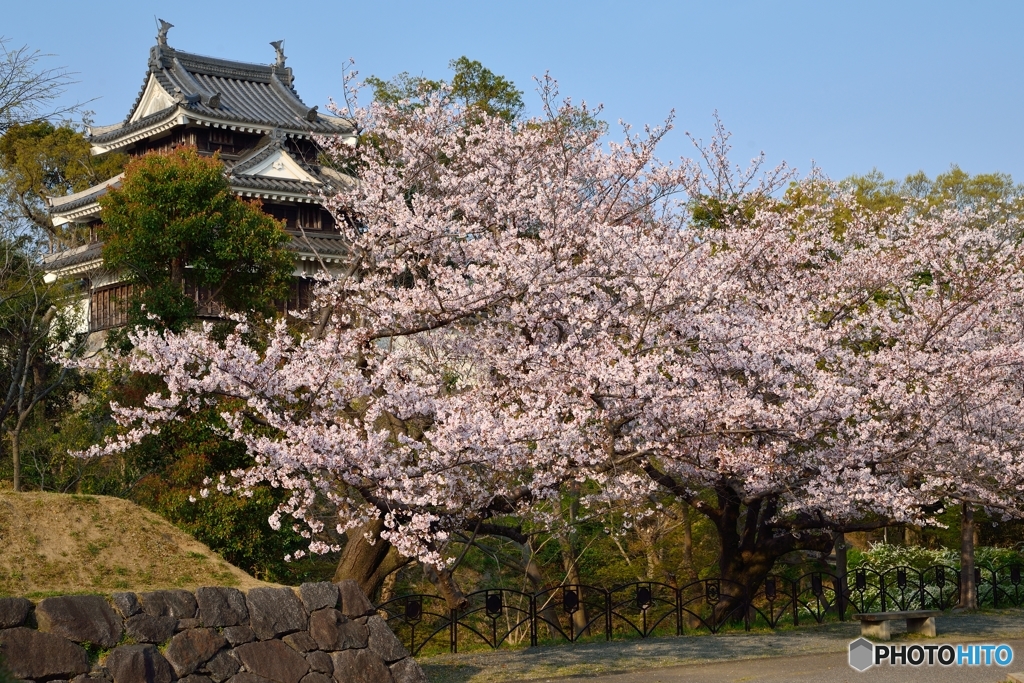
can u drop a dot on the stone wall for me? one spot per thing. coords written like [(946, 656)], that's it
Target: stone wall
[(319, 633)]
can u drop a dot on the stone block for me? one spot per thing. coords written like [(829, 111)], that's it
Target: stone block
[(275, 612), (14, 612), (408, 670), (195, 678), (924, 626), (245, 677), (138, 664), (219, 607), (354, 602), (186, 624), (320, 662), (300, 641), (360, 666), (332, 631), (316, 677), (31, 654), (223, 666), (191, 649), (320, 595), (273, 660), (179, 604), (876, 630), (81, 618), (144, 628), (383, 641), (127, 604), (238, 635), (92, 677)]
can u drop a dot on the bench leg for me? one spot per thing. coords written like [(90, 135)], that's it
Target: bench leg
[(926, 626), (878, 630)]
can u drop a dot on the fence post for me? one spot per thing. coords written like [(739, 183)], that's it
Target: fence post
[(746, 607), (840, 585), (533, 621), (453, 633), (679, 611), (796, 602), (607, 615), (842, 572)]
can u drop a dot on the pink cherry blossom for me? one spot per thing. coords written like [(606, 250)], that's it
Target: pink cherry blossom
[(528, 305)]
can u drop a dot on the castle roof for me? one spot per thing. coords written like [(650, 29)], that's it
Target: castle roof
[(181, 87), (309, 246)]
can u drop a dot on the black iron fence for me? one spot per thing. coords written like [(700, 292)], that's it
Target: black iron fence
[(506, 617)]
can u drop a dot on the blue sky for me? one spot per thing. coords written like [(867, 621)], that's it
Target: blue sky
[(898, 86)]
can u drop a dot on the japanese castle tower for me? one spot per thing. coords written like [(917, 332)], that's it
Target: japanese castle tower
[(253, 116)]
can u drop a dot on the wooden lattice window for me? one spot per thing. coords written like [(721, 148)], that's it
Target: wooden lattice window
[(108, 307), (207, 305), (300, 296)]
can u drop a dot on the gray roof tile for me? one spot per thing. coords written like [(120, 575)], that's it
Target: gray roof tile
[(274, 185), (322, 243), (73, 257), (85, 197), (252, 94)]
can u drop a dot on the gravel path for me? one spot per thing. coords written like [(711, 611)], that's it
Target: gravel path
[(726, 652), (832, 668)]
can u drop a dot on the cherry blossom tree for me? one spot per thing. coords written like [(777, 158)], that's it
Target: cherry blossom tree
[(528, 307), (831, 374)]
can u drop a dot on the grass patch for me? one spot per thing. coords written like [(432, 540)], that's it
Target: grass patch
[(59, 544)]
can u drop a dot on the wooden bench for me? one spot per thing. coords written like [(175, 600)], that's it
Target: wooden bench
[(876, 624)]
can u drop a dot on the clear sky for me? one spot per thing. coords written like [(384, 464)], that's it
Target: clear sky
[(900, 86)]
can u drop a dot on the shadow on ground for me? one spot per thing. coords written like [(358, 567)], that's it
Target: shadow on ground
[(594, 659), (450, 673)]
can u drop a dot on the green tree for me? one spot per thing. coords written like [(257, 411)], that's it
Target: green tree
[(955, 187), (39, 160), (29, 92), (176, 231), (37, 322), (473, 85)]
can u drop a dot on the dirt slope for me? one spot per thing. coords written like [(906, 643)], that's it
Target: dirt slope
[(53, 543)]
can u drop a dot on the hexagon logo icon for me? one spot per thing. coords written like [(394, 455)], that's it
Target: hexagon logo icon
[(862, 654)]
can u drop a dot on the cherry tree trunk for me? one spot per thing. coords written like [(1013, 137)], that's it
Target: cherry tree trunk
[(16, 457), (750, 546), (842, 586), (690, 568), (446, 585), (568, 545), (968, 587), (365, 563)]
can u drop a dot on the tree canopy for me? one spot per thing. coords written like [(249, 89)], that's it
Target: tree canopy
[(473, 85), (176, 230), (955, 187), (28, 91), (528, 312), (39, 160)]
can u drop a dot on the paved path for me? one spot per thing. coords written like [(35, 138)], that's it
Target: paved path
[(811, 653), (832, 668)]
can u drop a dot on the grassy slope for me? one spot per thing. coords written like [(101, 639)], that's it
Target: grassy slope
[(54, 543)]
